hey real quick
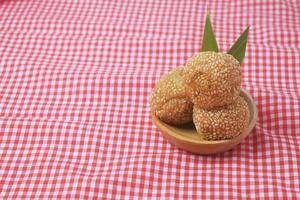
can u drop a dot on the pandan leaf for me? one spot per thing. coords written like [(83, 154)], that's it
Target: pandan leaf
[(238, 49), (209, 42)]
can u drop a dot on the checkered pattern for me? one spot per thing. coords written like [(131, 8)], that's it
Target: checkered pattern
[(75, 79)]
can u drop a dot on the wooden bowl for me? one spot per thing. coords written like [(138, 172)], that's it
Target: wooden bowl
[(186, 137)]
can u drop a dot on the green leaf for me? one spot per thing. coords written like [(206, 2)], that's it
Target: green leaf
[(239, 48), (209, 42)]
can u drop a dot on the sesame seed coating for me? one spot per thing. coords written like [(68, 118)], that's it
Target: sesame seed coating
[(212, 79), (224, 122), (169, 101)]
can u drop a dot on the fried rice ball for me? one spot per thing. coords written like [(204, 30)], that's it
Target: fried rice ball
[(212, 79), (224, 122), (169, 101)]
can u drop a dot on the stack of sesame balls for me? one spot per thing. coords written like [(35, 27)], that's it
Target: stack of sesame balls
[(205, 91)]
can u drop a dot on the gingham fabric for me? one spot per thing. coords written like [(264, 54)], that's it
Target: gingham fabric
[(74, 110)]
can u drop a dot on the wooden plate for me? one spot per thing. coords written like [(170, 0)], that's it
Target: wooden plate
[(186, 137)]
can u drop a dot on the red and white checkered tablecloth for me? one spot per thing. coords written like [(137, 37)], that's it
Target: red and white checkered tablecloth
[(75, 79)]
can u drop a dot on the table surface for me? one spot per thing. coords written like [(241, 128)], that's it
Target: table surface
[(75, 83)]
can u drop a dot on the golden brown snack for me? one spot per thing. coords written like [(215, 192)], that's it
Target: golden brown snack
[(169, 101), (212, 79), (224, 122)]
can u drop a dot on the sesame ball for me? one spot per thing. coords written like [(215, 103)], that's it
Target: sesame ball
[(212, 79), (169, 101), (223, 122)]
